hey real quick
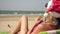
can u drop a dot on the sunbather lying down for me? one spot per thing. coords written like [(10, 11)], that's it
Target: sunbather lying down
[(22, 26)]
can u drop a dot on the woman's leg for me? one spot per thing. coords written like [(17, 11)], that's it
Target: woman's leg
[(24, 25), (21, 26), (17, 27)]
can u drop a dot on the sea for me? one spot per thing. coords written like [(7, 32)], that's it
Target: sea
[(12, 12)]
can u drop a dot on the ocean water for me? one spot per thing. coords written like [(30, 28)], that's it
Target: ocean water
[(20, 12)]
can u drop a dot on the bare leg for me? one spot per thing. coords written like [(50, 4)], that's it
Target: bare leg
[(21, 26), (17, 27), (24, 25)]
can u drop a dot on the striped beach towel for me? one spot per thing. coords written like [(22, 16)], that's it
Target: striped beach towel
[(50, 32)]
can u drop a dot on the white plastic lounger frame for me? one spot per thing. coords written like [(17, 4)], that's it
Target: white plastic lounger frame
[(51, 32)]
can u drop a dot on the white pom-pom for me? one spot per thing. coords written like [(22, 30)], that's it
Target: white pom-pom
[(45, 15)]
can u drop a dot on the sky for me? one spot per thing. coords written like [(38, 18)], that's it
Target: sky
[(29, 5)]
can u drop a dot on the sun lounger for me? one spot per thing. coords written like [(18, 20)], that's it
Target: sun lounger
[(50, 32)]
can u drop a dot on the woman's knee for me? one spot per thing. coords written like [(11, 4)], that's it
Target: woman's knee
[(24, 20), (24, 17)]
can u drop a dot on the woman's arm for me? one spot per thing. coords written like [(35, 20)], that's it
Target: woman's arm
[(35, 23)]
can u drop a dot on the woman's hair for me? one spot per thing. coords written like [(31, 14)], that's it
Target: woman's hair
[(46, 4)]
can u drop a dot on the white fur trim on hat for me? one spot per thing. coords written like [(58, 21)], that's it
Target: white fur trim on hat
[(54, 14)]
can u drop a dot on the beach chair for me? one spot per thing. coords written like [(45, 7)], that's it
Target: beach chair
[(50, 32)]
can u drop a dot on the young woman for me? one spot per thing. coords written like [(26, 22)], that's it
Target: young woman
[(42, 23), (22, 26)]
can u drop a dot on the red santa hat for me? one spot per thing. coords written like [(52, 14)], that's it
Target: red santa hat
[(53, 5)]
